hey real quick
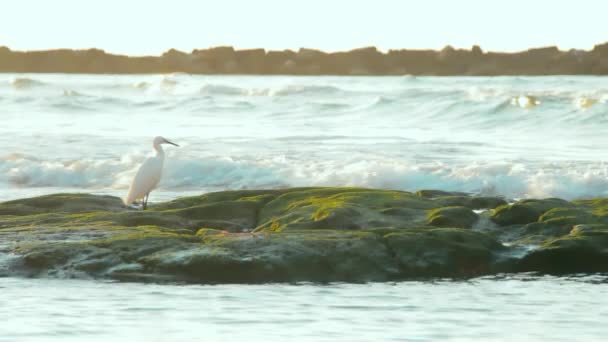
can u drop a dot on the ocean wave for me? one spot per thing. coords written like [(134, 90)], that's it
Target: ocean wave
[(306, 90), (71, 93), (168, 83), (25, 83), (585, 102), (482, 94), (509, 179), (371, 106), (217, 89), (525, 101), (142, 85), (332, 107), (383, 101), (580, 99), (288, 90)]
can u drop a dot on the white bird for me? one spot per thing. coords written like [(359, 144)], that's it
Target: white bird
[(148, 175)]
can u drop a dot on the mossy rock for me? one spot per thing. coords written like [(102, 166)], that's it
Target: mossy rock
[(568, 217), (526, 211), (443, 252), (589, 229), (93, 250), (342, 208), (301, 234), (597, 207), (475, 203), (260, 197), (228, 215), (457, 217), (235, 211), (205, 232), (545, 229), (439, 193), (61, 203), (585, 249), (320, 256)]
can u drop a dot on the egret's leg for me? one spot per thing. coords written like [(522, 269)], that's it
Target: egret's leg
[(145, 205)]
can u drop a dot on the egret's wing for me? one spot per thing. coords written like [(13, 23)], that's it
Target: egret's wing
[(145, 180)]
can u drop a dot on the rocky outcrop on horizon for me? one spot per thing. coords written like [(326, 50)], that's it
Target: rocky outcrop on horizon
[(363, 61)]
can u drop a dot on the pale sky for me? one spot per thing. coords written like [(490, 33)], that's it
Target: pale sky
[(140, 27)]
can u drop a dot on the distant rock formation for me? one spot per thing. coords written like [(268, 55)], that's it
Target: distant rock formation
[(364, 61)]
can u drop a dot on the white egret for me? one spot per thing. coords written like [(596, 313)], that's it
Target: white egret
[(148, 175)]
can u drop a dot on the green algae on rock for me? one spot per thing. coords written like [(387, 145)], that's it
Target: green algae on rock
[(443, 251), (585, 249), (343, 209), (61, 203), (526, 211), (568, 217), (297, 234), (457, 217), (471, 202), (294, 256)]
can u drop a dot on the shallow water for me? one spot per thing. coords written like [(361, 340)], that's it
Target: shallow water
[(90, 132), (512, 308)]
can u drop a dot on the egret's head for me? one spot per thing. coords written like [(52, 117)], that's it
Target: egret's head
[(160, 140)]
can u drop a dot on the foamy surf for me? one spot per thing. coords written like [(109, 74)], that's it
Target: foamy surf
[(512, 180), (24, 83), (526, 101)]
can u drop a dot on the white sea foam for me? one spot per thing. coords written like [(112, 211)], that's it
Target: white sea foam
[(25, 83), (312, 90), (142, 85), (514, 180), (526, 101), (285, 90), (71, 93)]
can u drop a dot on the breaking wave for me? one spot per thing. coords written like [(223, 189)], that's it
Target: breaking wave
[(216, 89), (288, 90), (512, 180), (25, 83)]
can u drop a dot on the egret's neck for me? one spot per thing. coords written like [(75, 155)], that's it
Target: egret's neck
[(159, 151)]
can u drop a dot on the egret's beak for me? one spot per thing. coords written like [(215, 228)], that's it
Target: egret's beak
[(172, 143)]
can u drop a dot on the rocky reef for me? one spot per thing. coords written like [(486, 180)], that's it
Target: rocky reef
[(364, 61), (301, 234)]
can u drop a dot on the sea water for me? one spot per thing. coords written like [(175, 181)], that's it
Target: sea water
[(511, 308), (512, 136)]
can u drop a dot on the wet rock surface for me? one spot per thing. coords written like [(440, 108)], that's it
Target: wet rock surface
[(300, 234)]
